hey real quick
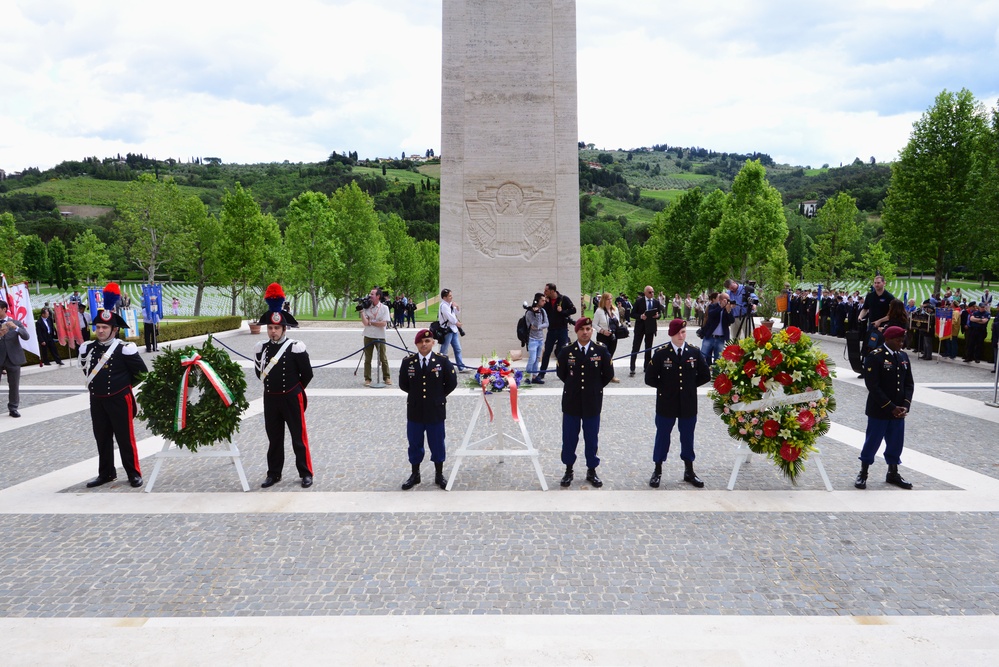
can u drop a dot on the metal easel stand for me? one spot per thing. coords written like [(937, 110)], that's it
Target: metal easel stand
[(743, 454), (171, 452), (466, 448)]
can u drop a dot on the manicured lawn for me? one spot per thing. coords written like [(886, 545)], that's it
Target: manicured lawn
[(84, 190), (391, 175)]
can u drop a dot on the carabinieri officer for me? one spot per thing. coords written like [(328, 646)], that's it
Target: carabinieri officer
[(111, 367), (586, 368), (427, 378), (282, 364), (676, 371)]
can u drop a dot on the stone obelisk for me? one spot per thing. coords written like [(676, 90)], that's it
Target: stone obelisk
[(509, 163)]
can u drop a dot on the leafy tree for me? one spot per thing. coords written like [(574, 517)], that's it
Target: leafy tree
[(838, 221), (987, 201), (200, 262), (12, 246), (36, 260), (362, 245), (669, 236), (591, 268), (60, 273), (752, 224), (429, 273), (615, 267), (89, 257), (151, 223), (310, 239), (702, 264), (875, 260), (403, 257), (930, 209), (243, 246)]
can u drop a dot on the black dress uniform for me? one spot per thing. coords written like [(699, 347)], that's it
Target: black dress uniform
[(112, 404), (427, 386), (676, 379), (285, 403), (584, 377), (888, 376)]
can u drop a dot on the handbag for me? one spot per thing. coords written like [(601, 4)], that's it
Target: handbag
[(875, 339), (438, 332), (622, 331)]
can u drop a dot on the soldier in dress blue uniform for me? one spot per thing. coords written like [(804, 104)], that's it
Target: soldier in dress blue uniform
[(888, 376), (111, 367), (676, 371), (282, 364), (586, 368), (427, 378)]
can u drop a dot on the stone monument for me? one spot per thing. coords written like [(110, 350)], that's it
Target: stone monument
[(509, 162)]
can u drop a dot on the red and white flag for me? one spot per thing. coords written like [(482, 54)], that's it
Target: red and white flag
[(18, 300)]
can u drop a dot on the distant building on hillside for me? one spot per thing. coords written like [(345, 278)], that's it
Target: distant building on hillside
[(808, 208), (3, 175)]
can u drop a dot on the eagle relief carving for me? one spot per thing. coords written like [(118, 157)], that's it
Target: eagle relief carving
[(510, 221)]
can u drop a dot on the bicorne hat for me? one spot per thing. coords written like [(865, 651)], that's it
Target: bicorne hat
[(274, 296), (105, 314)]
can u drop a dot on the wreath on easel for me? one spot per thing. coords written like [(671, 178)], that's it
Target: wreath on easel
[(165, 398)]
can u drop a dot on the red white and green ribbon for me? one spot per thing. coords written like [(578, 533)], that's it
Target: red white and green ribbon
[(189, 363)]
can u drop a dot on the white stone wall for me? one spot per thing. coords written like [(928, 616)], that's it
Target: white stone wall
[(509, 170)]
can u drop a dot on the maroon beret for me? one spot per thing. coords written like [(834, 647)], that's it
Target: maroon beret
[(583, 322), (676, 325), (894, 332), (421, 334)]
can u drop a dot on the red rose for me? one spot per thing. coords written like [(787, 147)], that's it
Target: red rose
[(806, 420), (762, 335), (784, 379), (763, 384), (732, 353), (492, 362), (821, 368), (788, 452), (774, 359), (484, 370), (723, 385), (749, 369), (770, 428), (793, 334)]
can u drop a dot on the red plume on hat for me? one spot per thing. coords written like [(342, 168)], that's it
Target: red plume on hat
[(274, 296), (112, 294)]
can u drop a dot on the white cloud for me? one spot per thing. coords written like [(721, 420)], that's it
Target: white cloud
[(259, 81)]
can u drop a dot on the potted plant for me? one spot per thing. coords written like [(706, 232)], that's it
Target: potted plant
[(766, 308)]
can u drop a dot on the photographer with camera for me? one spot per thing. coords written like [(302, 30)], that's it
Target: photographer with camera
[(740, 297), (448, 316), (560, 310), (375, 317)]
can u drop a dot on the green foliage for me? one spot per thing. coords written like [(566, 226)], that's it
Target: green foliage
[(150, 227), (209, 420), (36, 259), (201, 263), (877, 260), (364, 250), (89, 257), (60, 271), (247, 249), (310, 239), (12, 246), (668, 242), (403, 256), (930, 208), (838, 221), (429, 268)]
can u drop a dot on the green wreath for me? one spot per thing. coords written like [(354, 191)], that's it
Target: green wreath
[(209, 420)]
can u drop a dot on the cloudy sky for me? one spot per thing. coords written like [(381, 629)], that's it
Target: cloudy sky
[(253, 81)]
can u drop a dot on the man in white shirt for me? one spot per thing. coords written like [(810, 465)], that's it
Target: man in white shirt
[(375, 318)]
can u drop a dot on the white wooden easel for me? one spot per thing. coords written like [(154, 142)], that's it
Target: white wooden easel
[(171, 452), (743, 453), (498, 436)]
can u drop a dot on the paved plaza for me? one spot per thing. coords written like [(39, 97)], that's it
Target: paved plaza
[(355, 571)]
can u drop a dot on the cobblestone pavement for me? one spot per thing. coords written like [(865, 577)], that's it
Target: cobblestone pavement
[(856, 560)]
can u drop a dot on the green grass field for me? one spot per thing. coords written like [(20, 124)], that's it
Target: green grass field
[(615, 208), (391, 175), (665, 195), (91, 191)]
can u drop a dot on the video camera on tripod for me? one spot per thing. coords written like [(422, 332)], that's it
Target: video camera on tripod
[(364, 302)]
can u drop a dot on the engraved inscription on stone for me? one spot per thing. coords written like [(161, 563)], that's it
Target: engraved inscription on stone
[(510, 221)]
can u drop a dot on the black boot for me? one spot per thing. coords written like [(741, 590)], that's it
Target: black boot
[(414, 479), (657, 476), (567, 477), (861, 481), (439, 475), (591, 477), (894, 478), (690, 476)]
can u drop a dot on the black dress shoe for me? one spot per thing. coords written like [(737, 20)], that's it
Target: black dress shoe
[(440, 481), (99, 481), (861, 481), (631, 374), (270, 481), (591, 477), (136, 482), (15, 413), (898, 480), (655, 480), (690, 476), (536, 381), (566, 478), (413, 480), (307, 481)]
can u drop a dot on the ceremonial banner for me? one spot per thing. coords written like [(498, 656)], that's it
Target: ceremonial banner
[(59, 317), (18, 300), (945, 323)]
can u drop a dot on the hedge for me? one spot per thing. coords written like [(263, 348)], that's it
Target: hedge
[(168, 331)]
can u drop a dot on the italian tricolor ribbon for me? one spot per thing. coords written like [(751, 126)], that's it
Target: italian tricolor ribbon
[(195, 361)]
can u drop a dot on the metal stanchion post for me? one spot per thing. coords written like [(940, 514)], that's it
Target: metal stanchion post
[(994, 403), (376, 382)]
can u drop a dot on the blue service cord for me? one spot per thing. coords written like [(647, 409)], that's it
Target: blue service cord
[(239, 354)]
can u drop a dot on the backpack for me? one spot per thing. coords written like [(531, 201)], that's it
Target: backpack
[(523, 330)]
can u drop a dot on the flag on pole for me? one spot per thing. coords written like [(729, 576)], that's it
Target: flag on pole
[(945, 323), (18, 301)]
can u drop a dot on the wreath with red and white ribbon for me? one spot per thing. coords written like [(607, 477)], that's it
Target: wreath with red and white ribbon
[(775, 393)]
